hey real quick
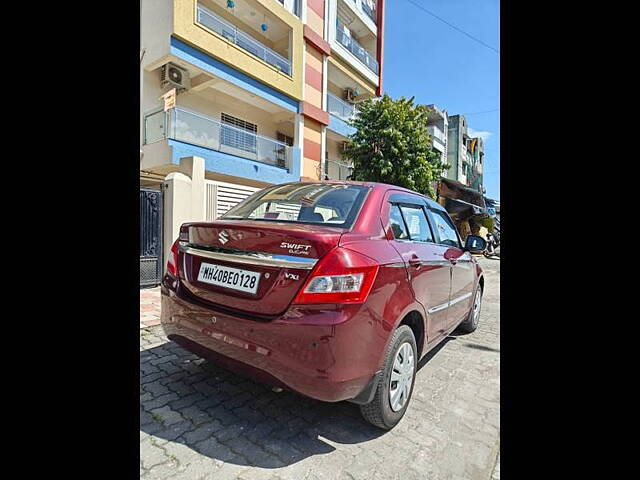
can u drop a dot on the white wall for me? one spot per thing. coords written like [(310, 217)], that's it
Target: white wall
[(156, 26)]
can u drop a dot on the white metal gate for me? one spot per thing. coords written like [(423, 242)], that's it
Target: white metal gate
[(220, 197)]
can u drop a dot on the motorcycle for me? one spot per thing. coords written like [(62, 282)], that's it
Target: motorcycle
[(493, 242)]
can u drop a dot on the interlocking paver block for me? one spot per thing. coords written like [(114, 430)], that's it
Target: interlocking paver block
[(199, 421)]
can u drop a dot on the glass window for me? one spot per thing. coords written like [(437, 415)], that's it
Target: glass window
[(397, 224), (444, 227), (335, 205), (416, 219)]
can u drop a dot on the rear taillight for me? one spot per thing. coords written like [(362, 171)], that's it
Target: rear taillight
[(342, 276), (172, 262)]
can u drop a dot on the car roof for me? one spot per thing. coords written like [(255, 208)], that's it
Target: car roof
[(380, 186)]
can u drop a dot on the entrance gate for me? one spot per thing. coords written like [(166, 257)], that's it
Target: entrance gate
[(151, 264)]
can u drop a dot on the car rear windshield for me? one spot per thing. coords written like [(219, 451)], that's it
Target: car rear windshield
[(322, 203)]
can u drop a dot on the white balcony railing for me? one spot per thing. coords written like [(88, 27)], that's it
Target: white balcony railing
[(437, 134), (213, 22), (369, 7), (197, 129), (335, 170), (354, 47), (340, 108), (366, 6), (292, 5)]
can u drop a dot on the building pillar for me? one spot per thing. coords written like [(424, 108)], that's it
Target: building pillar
[(183, 198), (177, 208), (193, 167)]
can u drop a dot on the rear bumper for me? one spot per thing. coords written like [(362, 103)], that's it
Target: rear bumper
[(326, 352)]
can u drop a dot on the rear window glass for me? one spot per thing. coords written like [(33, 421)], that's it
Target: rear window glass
[(397, 224), (327, 204), (417, 222)]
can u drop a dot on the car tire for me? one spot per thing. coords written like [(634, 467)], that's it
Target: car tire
[(471, 322), (380, 411)]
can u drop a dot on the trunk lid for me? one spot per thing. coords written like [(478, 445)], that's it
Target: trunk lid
[(283, 255)]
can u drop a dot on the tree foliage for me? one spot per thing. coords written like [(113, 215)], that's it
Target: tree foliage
[(392, 145)]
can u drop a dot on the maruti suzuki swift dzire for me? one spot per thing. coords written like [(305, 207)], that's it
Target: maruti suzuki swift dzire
[(334, 290)]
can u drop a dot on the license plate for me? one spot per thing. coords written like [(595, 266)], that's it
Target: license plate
[(227, 277)]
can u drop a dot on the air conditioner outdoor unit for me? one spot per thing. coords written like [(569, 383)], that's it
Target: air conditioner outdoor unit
[(350, 95), (175, 76)]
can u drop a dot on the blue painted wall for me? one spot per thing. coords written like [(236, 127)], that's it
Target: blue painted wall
[(226, 164), (340, 126), (224, 71)]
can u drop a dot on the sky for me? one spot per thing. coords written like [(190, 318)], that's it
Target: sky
[(425, 58)]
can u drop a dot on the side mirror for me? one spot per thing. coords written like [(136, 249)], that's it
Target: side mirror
[(475, 244)]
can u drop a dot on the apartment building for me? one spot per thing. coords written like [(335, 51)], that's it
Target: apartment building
[(263, 91), (465, 154), (438, 128)]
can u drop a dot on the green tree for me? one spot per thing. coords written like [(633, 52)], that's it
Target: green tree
[(392, 145)]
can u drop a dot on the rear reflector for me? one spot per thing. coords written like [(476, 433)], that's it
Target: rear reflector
[(342, 276), (172, 262)]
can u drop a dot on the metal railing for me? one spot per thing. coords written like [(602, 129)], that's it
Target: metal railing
[(335, 170), (197, 129), (437, 134), (293, 6), (354, 47), (340, 108), (370, 11), (213, 22)]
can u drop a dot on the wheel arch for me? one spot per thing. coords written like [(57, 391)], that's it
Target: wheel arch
[(416, 322)]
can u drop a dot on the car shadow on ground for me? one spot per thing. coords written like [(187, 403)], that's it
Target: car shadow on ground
[(434, 351), (216, 413)]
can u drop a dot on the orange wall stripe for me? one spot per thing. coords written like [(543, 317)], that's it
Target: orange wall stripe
[(312, 150), (313, 77), (314, 113), (317, 6), (316, 40)]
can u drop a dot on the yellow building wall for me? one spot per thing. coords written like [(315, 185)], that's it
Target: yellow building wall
[(188, 30), (367, 86)]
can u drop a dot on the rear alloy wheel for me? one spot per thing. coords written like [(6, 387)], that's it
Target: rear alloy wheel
[(395, 385), (471, 323)]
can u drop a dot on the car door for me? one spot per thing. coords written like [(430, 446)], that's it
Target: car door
[(429, 272), (462, 266)]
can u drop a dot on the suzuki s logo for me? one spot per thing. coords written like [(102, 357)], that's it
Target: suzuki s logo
[(223, 236), (296, 248)]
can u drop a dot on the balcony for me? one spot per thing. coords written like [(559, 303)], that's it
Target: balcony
[(356, 49), (437, 134), (292, 6), (340, 108), (213, 22), (368, 7), (196, 129), (335, 170)]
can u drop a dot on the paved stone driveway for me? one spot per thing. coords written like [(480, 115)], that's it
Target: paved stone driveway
[(149, 307), (198, 421)]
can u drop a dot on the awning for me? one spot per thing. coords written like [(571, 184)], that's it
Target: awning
[(454, 206), (452, 189), (457, 198)]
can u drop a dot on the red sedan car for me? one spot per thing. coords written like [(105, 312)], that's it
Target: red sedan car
[(334, 290)]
